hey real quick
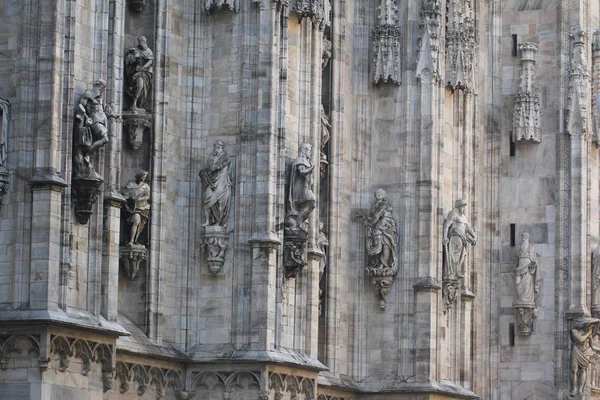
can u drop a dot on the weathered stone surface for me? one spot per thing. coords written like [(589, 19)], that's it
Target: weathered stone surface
[(238, 291)]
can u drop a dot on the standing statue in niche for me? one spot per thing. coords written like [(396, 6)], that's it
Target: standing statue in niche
[(217, 194), (596, 281), (137, 194), (457, 234), (526, 277), (582, 349), (381, 244), (139, 73), (90, 132), (301, 200), (217, 186)]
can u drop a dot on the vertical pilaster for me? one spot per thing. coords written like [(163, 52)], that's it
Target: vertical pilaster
[(577, 128), (262, 292), (45, 245)]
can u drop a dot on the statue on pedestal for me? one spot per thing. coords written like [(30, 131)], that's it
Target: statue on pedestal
[(90, 132), (382, 244), (216, 183), (137, 209), (300, 203)]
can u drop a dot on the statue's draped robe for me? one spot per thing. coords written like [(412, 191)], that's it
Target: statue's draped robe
[(526, 275), (217, 189)]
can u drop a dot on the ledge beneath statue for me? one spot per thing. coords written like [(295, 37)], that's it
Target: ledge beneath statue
[(281, 356), (80, 320), (395, 389)]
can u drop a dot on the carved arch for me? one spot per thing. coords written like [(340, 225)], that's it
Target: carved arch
[(14, 343)]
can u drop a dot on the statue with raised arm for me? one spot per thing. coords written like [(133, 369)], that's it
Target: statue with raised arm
[(137, 194), (139, 71), (457, 233), (91, 131), (582, 349), (217, 186), (301, 199)]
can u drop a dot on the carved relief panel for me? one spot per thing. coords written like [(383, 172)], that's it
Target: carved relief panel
[(387, 62)]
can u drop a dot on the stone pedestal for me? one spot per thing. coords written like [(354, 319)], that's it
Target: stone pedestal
[(131, 258), (85, 195), (526, 315), (214, 245), (450, 291), (294, 250), (135, 125)]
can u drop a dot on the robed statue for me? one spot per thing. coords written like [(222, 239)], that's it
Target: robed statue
[(301, 199), (217, 186), (457, 234), (139, 71)]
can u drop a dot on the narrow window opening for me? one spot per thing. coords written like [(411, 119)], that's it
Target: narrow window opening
[(511, 333), (513, 238), (514, 45), (512, 146)]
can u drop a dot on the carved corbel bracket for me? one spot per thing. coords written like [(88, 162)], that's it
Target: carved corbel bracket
[(214, 245), (135, 125), (294, 250), (526, 315), (131, 258), (382, 286), (450, 290), (85, 194)]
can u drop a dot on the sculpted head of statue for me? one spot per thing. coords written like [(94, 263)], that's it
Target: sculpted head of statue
[(305, 150)]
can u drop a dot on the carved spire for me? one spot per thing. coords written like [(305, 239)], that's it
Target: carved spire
[(596, 85), (577, 99), (387, 63), (431, 16), (460, 45), (526, 123)]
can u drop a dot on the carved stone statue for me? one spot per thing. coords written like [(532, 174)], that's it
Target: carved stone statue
[(323, 244), (527, 282), (382, 244), (91, 130), (325, 135), (301, 200), (457, 234), (326, 53), (582, 332), (217, 186), (596, 281), (526, 277), (139, 71), (137, 194)]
